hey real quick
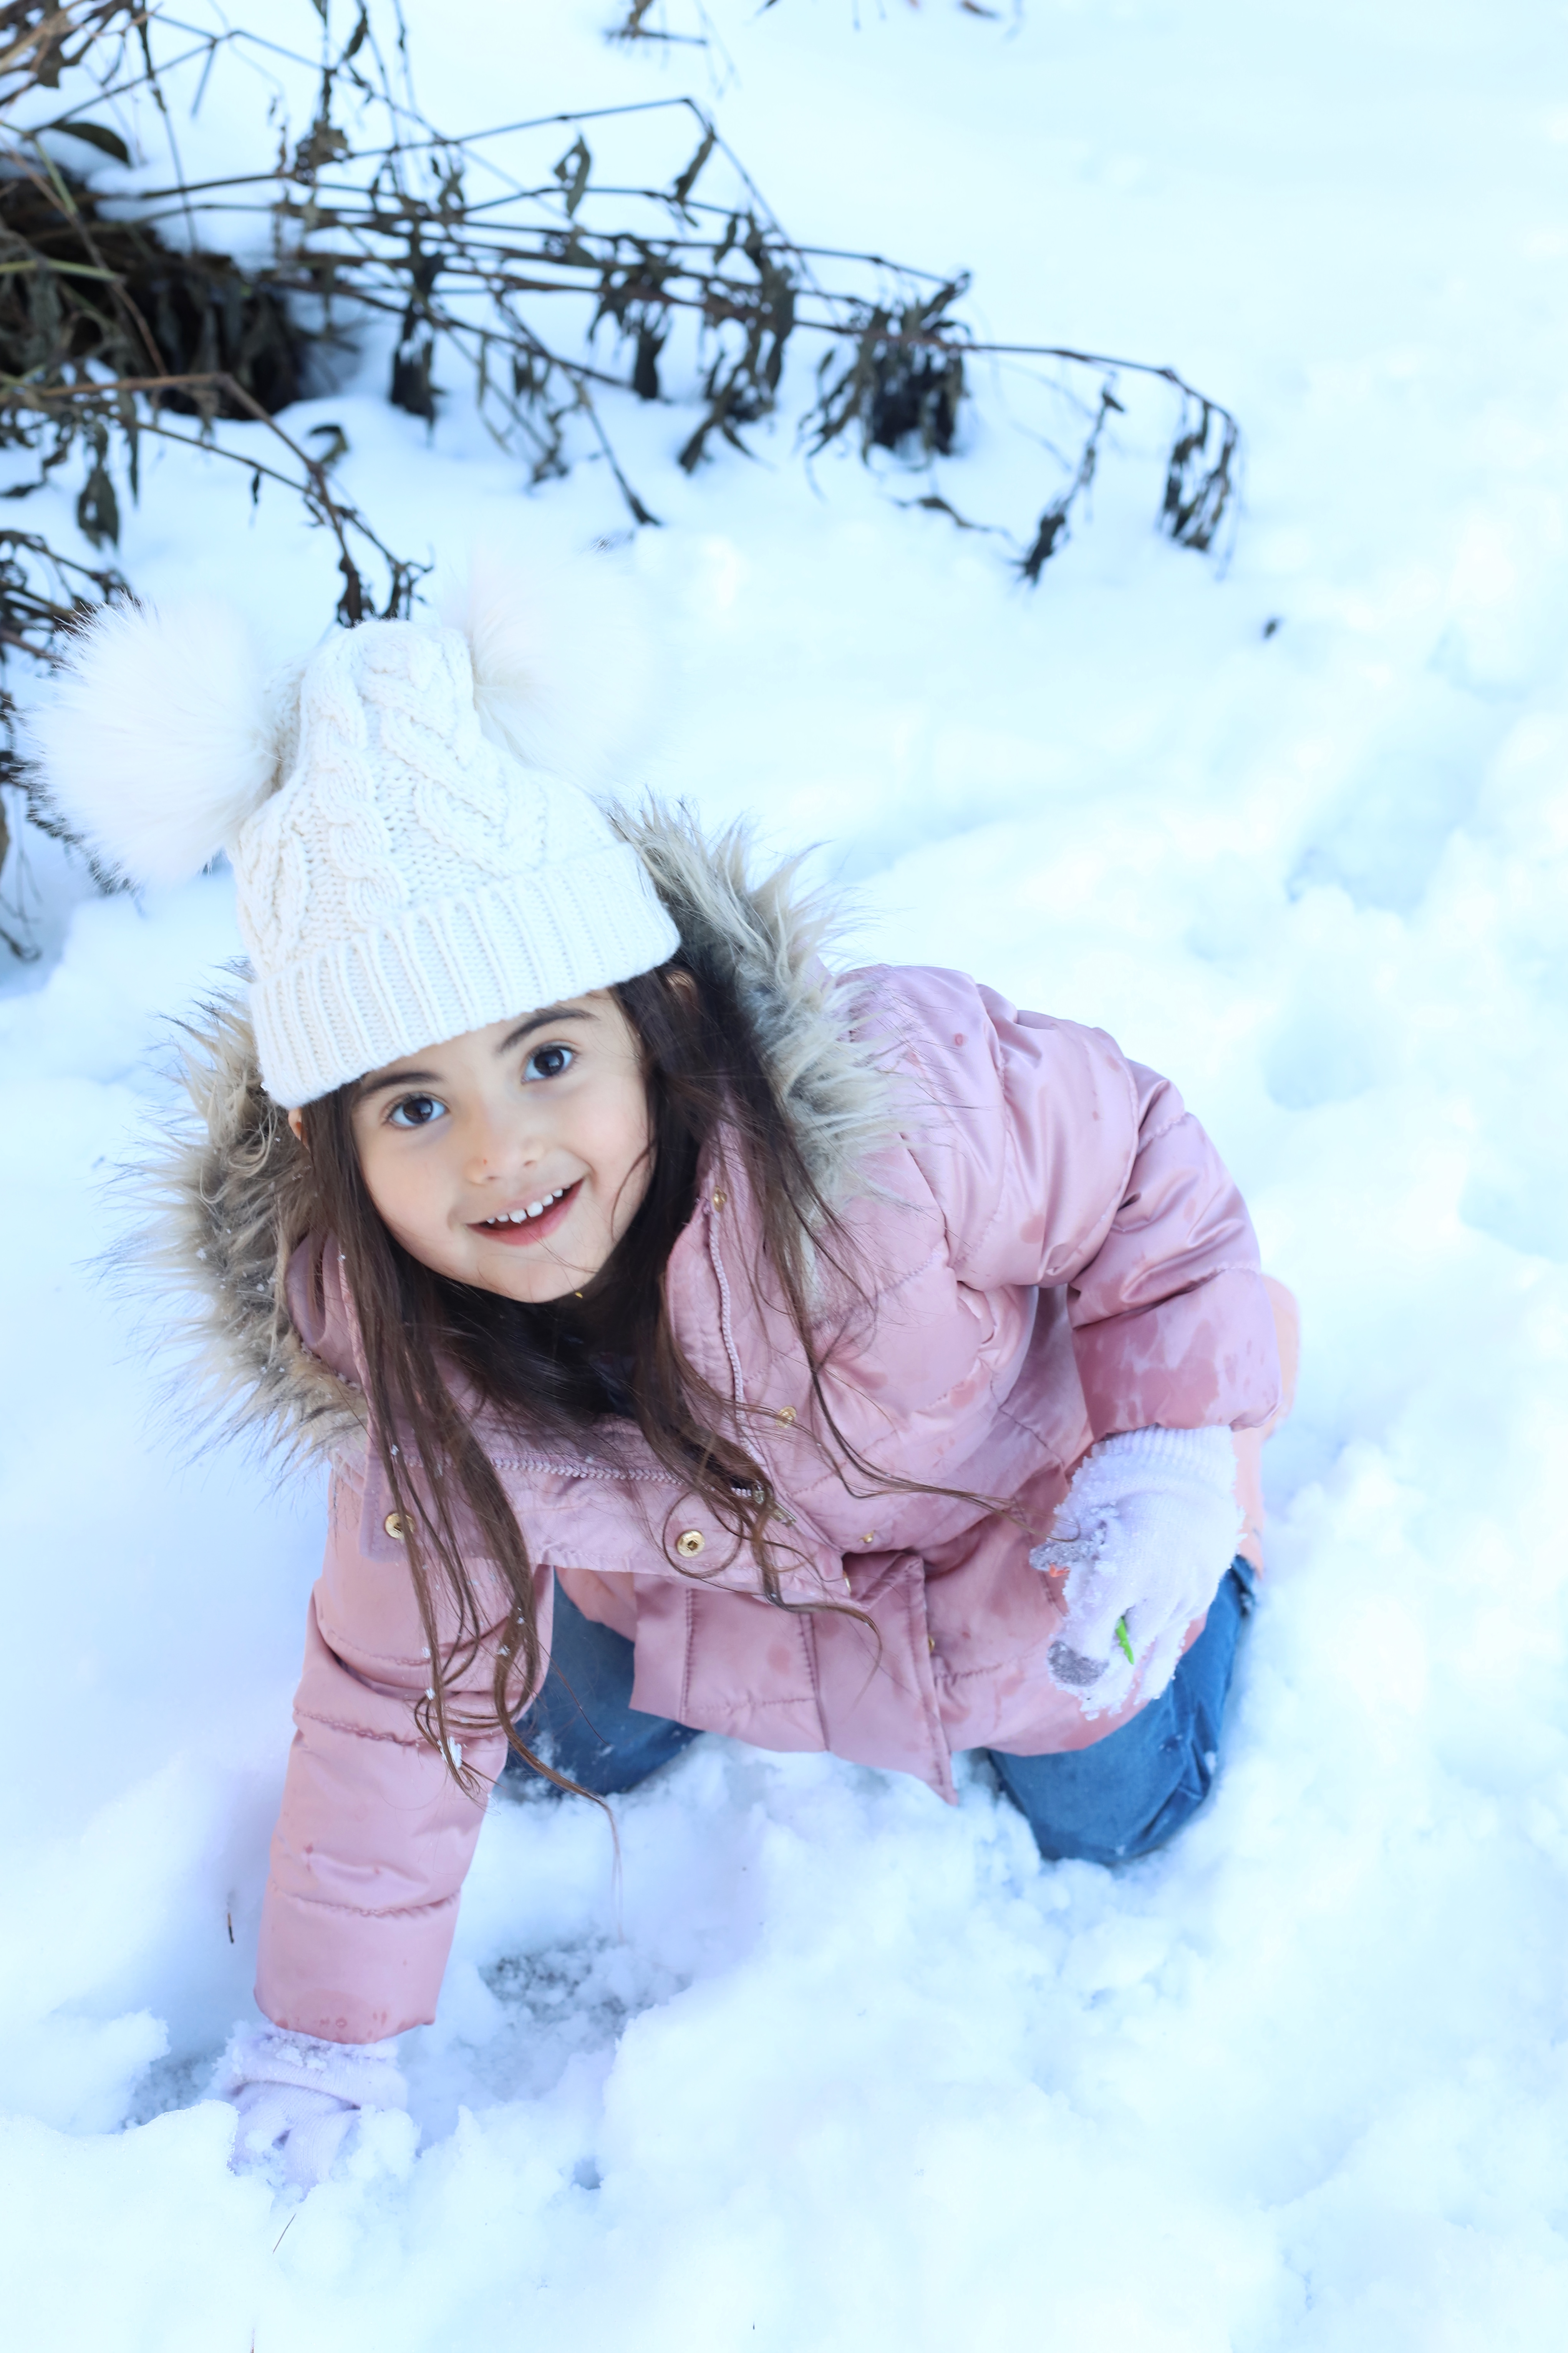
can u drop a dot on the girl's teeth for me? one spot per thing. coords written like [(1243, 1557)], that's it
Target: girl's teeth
[(535, 1209)]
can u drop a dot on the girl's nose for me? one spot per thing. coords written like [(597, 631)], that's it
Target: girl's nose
[(497, 1153)]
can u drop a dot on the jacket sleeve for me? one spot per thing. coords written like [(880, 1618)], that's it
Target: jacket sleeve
[(374, 1837), (1170, 1323), (1058, 1162)]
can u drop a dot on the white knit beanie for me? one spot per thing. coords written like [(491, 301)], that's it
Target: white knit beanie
[(403, 875)]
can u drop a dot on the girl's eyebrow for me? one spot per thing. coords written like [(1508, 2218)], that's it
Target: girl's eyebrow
[(545, 1020), (395, 1079)]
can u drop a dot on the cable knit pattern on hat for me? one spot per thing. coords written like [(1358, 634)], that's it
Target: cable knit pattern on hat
[(411, 879)]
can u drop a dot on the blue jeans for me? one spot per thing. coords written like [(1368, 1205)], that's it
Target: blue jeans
[(583, 1722), (1121, 1797), (1135, 1789)]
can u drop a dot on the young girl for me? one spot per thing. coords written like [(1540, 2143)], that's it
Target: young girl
[(700, 1341)]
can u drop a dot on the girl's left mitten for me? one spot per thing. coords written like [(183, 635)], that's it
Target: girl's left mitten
[(1147, 1530), (299, 2098)]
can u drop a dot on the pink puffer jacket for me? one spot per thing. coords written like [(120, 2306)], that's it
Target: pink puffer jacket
[(1053, 1254)]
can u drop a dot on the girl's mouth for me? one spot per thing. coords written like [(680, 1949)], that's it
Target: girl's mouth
[(531, 1223)]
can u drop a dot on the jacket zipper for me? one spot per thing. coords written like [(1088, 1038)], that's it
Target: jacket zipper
[(725, 1325)]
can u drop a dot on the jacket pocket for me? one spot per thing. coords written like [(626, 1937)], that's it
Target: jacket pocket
[(726, 1663)]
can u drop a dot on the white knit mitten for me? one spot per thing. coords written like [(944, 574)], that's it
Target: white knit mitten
[(300, 2097), (1146, 1531)]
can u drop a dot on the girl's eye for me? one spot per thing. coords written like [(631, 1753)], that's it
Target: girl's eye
[(415, 1110), (549, 1061)]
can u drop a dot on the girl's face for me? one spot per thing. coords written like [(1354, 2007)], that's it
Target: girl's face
[(514, 1157)]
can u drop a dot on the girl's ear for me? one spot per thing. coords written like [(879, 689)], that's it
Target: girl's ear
[(297, 1125)]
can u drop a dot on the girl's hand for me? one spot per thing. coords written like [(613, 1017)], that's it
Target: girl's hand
[(1146, 1531), (300, 2098)]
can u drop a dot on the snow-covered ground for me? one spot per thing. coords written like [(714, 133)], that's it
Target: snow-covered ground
[(847, 2069)]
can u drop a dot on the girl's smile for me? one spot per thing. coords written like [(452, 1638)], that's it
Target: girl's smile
[(514, 1228)]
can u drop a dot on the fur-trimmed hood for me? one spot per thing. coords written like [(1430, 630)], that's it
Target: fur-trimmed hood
[(233, 1193)]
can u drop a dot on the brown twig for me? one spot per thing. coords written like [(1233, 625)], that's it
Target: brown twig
[(338, 517)]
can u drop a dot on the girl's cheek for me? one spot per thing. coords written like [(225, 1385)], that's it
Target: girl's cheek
[(403, 1201)]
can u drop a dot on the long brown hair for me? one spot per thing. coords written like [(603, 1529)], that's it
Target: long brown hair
[(434, 1349)]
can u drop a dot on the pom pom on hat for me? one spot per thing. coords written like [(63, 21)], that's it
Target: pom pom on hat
[(160, 739), (564, 671)]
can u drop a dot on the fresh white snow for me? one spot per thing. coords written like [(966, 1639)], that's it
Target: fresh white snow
[(842, 2069)]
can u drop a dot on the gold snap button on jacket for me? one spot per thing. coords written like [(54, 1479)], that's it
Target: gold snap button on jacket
[(689, 1543), (785, 1414), (393, 1526), (720, 1200)]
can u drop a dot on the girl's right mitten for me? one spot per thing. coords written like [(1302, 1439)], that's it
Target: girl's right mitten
[(299, 2098)]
